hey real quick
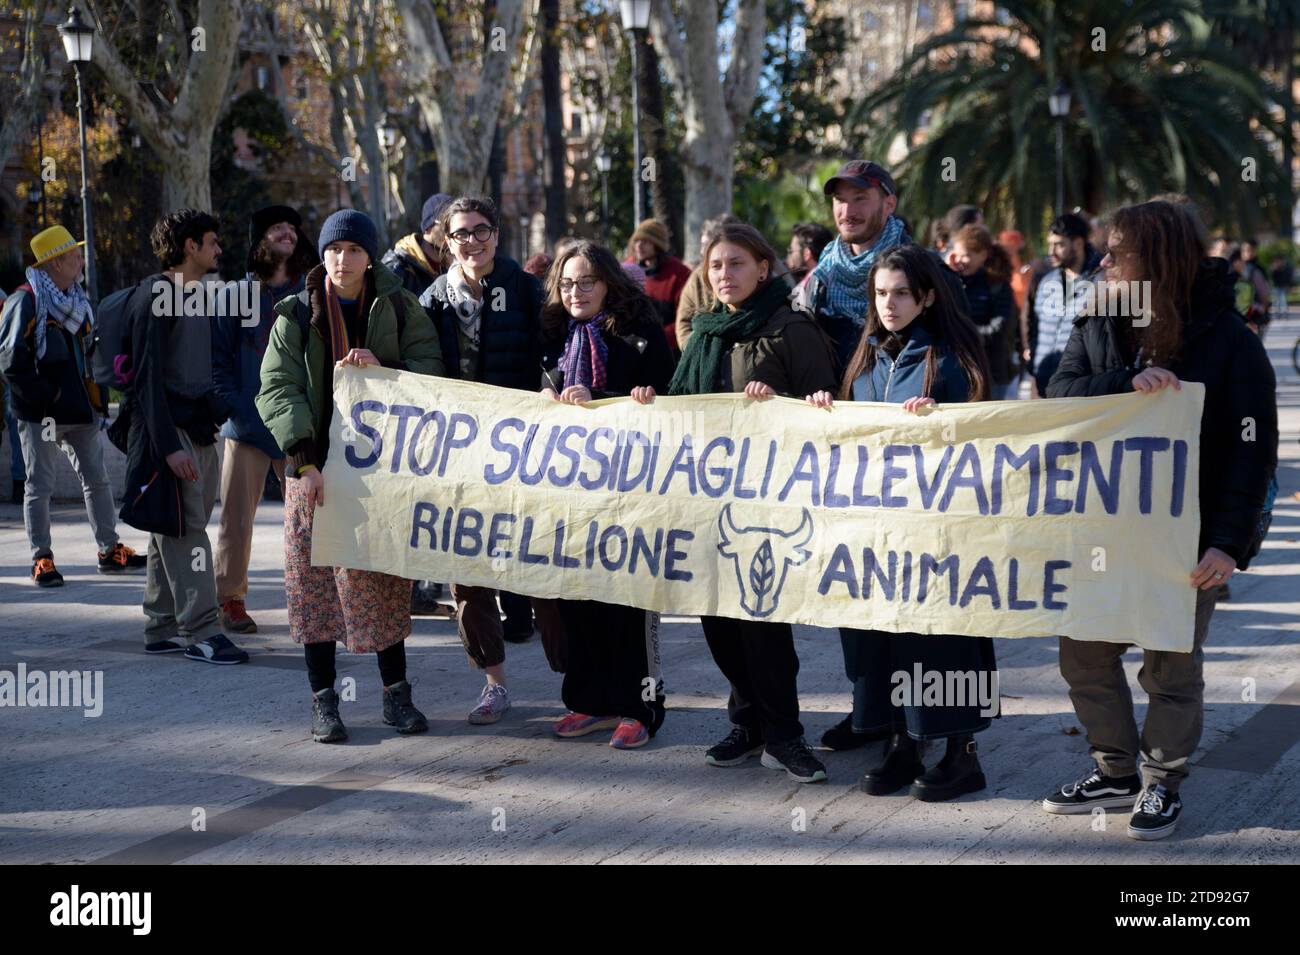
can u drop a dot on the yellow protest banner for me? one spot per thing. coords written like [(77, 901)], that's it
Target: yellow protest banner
[(1010, 519)]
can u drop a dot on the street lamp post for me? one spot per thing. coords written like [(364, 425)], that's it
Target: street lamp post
[(636, 17), (602, 166), (78, 37), (1059, 104), (387, 132)]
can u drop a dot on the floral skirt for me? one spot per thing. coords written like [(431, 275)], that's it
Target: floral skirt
[(361, 609)]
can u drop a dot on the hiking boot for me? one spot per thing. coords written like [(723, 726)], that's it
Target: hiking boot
[(957, 774), (121, 560), (901, 765), (326, 725), (1094, 789), (796, 758), (235, 618), (842, 736), (44, 573), (400, 712), (740, 744)]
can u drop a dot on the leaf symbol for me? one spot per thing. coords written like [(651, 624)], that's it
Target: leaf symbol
[(762, 571)]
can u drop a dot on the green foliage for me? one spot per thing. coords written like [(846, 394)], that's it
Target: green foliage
[(1162, 107), (775, 208), (796, 99)]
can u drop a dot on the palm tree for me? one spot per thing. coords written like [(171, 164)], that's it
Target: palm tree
[(1157, 106)]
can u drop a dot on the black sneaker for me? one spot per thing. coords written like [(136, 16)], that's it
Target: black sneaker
[(740, 744), (218, 649), (796, 758), (400, 712), (326, 726), (842, 736), (44, 573), (1156, 813), (165, 646), (1094, 789), (121, 560)]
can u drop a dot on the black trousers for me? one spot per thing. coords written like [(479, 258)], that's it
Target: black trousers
[(758, 659), (613, 662)]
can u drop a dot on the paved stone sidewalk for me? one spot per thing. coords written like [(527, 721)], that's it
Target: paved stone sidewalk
[(178, 741)]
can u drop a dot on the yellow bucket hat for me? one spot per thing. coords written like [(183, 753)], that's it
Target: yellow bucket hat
[(51, 243)]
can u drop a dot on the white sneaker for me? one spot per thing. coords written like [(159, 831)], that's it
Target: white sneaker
[(493, 703)]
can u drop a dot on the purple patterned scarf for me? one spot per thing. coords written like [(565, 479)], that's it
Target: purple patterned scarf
[(585, 354)]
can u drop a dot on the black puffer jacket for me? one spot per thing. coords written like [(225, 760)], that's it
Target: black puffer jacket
[(509, 336), (638, 357), (1222, 353)]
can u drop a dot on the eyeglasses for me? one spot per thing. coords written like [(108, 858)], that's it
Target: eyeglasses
[(585, 284), (480, 234)]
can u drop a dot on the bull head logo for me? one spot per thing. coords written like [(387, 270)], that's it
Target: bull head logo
[(761, 556)]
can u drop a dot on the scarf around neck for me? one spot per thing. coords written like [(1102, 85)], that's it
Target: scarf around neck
[(586, 354), (338, 328), (714, 333), (845, 275), (70, 309), (468, 306)]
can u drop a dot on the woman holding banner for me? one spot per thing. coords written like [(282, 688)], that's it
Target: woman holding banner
[(917, 348), (352, 311), (486, 310), (755, 344), (601, 338), (1190, 332)]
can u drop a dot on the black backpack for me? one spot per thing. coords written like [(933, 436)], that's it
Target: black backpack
[(111, 351)]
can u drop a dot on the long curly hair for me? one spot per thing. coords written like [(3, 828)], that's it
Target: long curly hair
[(626, 305), (1167, 243)]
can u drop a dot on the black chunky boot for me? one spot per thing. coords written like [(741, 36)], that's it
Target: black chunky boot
[(326, 726), (902, 764), (955, 775), (400, 712)]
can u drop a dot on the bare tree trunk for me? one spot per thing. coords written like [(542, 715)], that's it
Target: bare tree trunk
[(557, 218), (463, 125), (182, 129), (665, 202), (714, 108), (25, 102)]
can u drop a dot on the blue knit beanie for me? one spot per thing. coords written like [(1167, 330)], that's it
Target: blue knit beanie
[(350, 225)]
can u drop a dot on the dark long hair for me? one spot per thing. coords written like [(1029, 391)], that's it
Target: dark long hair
[(625, 304), (949, 326), (1168, 241)]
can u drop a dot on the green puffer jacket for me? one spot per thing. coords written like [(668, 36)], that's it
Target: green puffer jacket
[(296, 398)]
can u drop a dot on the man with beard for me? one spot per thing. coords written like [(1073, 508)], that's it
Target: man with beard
[(863, 199), (1056, 296), (280, 254)]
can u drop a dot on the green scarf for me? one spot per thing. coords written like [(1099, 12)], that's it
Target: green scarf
[(713, 334)]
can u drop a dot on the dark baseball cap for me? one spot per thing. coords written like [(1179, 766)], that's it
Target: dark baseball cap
[(864, 174)]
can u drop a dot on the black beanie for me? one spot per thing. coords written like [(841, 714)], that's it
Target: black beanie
[(350, 225)]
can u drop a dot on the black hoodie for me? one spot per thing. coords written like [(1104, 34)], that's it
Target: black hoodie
[(1220, 351)]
